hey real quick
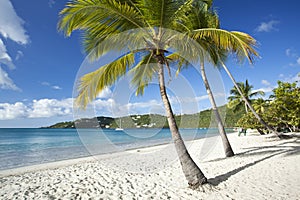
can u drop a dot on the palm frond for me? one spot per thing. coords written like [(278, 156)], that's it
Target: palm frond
[(93, 83), (88, 14), (158, 13), (143, 73), (239, 43), (187, 48), (260, 92), (122, 42), (179, 61)]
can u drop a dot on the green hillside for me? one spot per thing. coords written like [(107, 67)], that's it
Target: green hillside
[(200, 120)]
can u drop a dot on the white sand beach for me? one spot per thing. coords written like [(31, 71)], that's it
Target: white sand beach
[(264, 167)]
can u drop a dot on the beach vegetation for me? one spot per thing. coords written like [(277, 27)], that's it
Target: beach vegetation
[(281, 109)]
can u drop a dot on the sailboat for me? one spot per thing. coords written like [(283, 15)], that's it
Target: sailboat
[(120, 128)]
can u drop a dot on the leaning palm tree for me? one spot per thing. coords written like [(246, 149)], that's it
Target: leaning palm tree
[(203, 26), (240, 44), (201, 17), (236, 100), (101, 22), (211, 17), (270, 128)]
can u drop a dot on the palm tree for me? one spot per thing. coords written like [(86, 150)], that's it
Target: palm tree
[(212, 21), (236, 100), (203, 25), (241, 94), (270, 128), (202, 18), (102, 21)]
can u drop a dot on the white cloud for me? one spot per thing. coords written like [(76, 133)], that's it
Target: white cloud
[(265, 89), (50, 108), (295, 63), (4, 57), (6, 82), (47, 108), (56, 87), (267, 26), (293, 54), (42, 108), (19, 55), (293, 78), (290, 52), (45, 83), (12, 111), (195, 99), (11, 25), (188, 99), (110, 107), (265, 82)]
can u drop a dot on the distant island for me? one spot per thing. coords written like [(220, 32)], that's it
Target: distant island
[(199, 120)]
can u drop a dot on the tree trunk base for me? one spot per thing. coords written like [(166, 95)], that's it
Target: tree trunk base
[(196, 184), (206, 187), (229, 154)]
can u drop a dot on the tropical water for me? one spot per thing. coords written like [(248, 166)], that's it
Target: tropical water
[(22, 147)]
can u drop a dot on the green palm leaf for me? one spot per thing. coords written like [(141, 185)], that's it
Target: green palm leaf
[(239, 43), (143, 73), (88, 14), (93, 83)]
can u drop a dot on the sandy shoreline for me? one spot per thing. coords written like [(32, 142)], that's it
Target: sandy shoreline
[(263, 168)]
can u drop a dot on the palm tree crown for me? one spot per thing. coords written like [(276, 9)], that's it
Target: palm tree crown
[(236, 99)]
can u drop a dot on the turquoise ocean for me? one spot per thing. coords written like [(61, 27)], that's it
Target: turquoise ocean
[(21, 147)]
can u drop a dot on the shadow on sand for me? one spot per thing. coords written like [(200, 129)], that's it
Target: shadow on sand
[(286, 148)]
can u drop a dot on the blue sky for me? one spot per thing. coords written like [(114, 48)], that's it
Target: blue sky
[(38, 65)]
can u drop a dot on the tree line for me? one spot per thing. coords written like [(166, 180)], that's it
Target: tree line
[(281, 109)]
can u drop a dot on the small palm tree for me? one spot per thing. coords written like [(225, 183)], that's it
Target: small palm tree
[(236, 100), (242, 93)]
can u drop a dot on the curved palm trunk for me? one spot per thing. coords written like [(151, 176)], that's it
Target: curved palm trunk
[(192, 172), (227, 147), (248, 103)]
